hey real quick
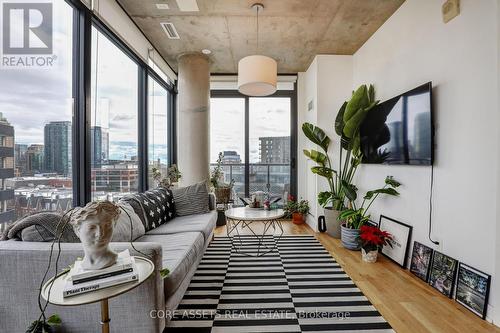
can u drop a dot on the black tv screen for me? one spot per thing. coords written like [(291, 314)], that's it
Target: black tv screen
[(400, 130)]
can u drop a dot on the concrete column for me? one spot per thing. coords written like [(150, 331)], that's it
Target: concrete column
[(193, 128)]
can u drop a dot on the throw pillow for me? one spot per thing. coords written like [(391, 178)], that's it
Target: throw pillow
[(128, 224), (134, 200), (191, 199), (41, 227)]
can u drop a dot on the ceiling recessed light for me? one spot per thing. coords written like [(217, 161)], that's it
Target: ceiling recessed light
[(188, 5), (162, 6), (206, 51)]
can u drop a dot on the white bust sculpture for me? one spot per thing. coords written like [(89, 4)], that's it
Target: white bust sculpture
[(93, 224)]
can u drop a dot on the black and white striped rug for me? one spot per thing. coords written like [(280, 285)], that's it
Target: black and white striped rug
[(297, 288)]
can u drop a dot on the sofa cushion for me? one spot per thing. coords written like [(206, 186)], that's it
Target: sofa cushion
[(191, 199), (128, 226), (204, 223), (179, 253)]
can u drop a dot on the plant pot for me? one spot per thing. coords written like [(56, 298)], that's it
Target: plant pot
[(332, 222), (350, 238), (297, 218), (370, 256)]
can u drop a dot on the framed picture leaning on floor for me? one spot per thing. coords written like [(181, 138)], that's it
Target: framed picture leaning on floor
[(401, 235), (443, 272), (421, 257), (473, 289)]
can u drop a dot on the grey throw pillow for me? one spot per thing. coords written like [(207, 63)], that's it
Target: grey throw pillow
[(191, 199)]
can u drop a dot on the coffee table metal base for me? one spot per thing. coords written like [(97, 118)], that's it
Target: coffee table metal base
[(259, 239)]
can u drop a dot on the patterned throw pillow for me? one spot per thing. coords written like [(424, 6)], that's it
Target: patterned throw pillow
[(157, 207), (191, 200)]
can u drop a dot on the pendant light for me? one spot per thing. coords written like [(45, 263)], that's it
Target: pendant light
[(257, 74)]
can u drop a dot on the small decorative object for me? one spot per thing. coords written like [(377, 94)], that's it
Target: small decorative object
[(372, 240), (173, 176), (421, 257), (267, 205), (356, 216), (222, 190), (93, 224), (473, 289), (443, 271), (297, 210), (401, 234)]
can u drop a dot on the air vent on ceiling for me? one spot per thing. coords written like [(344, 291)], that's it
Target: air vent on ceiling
[(170, 30)]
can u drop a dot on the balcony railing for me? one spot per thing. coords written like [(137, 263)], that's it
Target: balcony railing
[(272, 177)]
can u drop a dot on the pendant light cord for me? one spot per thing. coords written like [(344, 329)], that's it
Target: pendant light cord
[(257, 48)]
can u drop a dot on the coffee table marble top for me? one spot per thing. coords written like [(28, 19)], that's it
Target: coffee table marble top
[(253, 214)]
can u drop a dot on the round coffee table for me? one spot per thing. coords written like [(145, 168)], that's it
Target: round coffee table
[(244, 217), (52, 291)]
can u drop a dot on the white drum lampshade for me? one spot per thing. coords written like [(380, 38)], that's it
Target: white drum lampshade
[(257, 75)]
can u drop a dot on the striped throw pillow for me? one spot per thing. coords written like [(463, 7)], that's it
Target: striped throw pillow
[(191, 199)]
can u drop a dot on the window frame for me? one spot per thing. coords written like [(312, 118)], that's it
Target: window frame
[(83, 20), (292, 94)]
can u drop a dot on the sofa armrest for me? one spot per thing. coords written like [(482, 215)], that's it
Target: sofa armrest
[(22, 265)]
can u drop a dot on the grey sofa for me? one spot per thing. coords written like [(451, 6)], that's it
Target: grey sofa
[(177, 245)]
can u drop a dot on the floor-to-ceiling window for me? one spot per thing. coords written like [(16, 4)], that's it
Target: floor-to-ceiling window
[(114, 120), (159, 101), (227, 137), (255, 136), (36, 109)]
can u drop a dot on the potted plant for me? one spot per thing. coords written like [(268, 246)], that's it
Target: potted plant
[(347, 125), (356, 216), (372, 240), (168, 181), (297, 210), (222, 189)]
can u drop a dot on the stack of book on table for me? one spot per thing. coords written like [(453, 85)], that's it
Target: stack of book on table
[(81, 281)]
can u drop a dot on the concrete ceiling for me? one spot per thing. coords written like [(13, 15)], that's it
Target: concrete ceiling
[(290, 31)]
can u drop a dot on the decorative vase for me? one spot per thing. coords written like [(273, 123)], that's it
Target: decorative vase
[(370, 256), (332, 222), (297, 218), (350, 238)]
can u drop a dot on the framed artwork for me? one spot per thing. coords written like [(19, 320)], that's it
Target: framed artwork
[(442, 274), (420, 263), (473, 289), (371, 223), (401, 234)]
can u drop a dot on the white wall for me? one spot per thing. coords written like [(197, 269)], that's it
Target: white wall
[(461, 58), (326, 83)]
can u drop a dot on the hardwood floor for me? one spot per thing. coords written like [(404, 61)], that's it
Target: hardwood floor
[(406, 302)]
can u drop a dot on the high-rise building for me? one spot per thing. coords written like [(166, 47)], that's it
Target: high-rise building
[(20, 158), (99, 138), (231, 157), (6, 170), (274, 149), (57, 152), (34, 159)]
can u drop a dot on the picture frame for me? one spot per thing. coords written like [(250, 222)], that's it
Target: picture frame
[(473, 289), (371, 223), (401, 234), (442, 273), (421, 259)]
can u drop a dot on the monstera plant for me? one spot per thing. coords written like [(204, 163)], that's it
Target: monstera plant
[(347, 126)]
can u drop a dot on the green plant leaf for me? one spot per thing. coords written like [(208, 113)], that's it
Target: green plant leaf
[(358, 101), (38, 326), (388, 191), (316, 135), (54, 320), (389, 180), (323, 171), (164, 272), (324, 198), (339, 120), (316, 156), (350, 190), (351, 127), (371, 93)]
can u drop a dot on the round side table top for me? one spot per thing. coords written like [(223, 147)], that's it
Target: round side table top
[(144, 269), (250, 214)]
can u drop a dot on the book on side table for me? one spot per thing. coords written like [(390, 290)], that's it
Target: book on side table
[(80, 281)]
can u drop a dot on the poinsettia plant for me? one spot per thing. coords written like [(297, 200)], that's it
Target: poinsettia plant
[(372, 238)]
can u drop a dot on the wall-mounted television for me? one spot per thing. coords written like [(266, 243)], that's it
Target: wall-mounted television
[(400, 130)]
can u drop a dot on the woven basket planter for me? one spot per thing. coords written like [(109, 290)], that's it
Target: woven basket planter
[(223, 195)]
